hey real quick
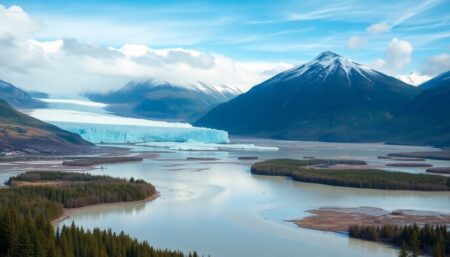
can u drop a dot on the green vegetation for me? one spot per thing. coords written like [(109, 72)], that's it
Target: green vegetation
[(304, 171), (74, 190), (27, 208), (429, 240)]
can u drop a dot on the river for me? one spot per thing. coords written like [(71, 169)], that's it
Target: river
[(220, 209)]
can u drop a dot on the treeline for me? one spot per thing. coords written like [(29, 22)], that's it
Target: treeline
[(33, 176), (359, 178), (26, 212), (428, 239), (78, 189)]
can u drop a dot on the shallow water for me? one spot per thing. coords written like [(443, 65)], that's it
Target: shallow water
[(220, 208)]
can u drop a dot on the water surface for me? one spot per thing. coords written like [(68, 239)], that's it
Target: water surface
[(220, 208)]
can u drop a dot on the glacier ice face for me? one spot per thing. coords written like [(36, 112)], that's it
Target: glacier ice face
[(97, 126), (117, 134)]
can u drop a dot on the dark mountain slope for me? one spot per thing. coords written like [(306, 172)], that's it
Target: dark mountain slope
[(329, 99), (442, 79), (20, 132), (426, 119)]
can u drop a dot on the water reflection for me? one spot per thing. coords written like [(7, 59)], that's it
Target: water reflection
[(223, 210)]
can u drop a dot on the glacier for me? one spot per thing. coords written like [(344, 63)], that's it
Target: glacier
[(94, 124), (118, 134)]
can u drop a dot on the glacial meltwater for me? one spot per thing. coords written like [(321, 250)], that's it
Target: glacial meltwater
[(219, 208)]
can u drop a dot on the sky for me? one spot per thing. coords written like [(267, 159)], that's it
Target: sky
[(67, 48)]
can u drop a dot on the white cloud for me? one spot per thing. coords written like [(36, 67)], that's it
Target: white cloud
[(398, 56), (19, 55), (378, 28), (414, 78), (399, 53), (16, 22), (437, 64), (356, 42), (68, 66)]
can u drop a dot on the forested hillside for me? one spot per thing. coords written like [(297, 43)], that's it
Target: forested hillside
[(36, 198)]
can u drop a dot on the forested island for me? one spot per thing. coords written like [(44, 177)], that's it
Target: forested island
[(431, 240), (318, 171), (34, 199)]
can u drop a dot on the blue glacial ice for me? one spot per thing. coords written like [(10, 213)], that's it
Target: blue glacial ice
[(92, 122), (107, 133), (98, 127)]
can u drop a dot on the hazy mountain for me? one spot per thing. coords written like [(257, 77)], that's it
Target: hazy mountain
[(17, 97), (38, 94), (20, 132), (330, 98), (166, 101)]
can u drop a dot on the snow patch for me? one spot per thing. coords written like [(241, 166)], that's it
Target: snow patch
[(75, 102)]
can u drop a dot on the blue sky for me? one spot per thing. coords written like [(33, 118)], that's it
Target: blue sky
[(370, 32)]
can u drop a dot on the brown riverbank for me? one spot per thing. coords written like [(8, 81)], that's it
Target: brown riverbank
[(436, 155), (72, 162), (339, 219), (439, 170), (67, 212), (409, 164), (91, 161)]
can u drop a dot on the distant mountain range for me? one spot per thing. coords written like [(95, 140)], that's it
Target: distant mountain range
[(17, 97), (20, 132), (150, 99), (333, 98)]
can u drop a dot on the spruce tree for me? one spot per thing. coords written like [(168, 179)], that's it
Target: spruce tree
[(403, 251)]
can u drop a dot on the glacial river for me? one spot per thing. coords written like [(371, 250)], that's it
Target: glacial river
[(220, 209)]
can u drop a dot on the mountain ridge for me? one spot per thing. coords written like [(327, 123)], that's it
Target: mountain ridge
[(330, 98), (18, 97), (20, 132), (162, 100)]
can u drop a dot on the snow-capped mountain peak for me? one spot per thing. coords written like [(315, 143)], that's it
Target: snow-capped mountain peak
[(218, 91), (325, 64)]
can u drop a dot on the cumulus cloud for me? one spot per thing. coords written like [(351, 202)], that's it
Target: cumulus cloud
[(68, 66), (378, 28), (399, 53), (356, 42), (16, 22), (437, 64), (414, 78), (398, 56), (19, 55)]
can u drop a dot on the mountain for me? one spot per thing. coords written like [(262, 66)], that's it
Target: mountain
[(330, 98), (442, 79), (20, 132), (150, 99), (38, 94), (426, 118), (17, 97)]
